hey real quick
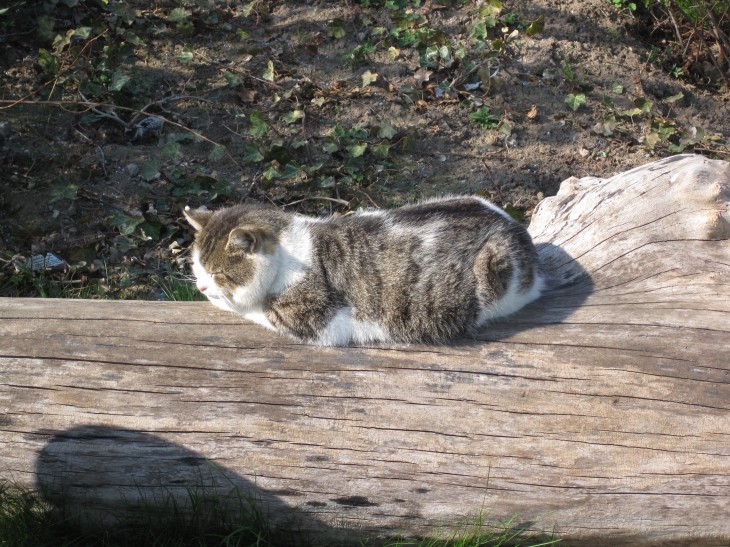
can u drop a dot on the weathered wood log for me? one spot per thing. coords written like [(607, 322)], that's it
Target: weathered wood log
[(601, 412)]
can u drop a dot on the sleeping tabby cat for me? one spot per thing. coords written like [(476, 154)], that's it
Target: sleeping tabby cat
[(422, 273)]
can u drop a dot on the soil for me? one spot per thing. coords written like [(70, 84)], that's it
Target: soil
[(105, 197)]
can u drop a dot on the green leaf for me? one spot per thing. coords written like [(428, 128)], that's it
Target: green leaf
[(337, 29), (673, 98), (536, 27), (576, 101), (119, 80), (62, 189), (151, 229), (271, 173), (47, 61), (293, 116), (606, 127), (516, 214), (651, 140), (330, 146), (173, 151), (125, 223), (644, 105), (246, 9), (258, 127), (368, 78), (290, 170), (386, 130), (150, 170), (357, 150), (123, 243), (233, 79), (44, 27), (269, 75), (217, 153), (178, 15), (381, 150), (82, 33), (186, 56), (252, 154)]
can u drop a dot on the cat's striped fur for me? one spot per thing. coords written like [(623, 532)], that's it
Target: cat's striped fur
[(422, 273)]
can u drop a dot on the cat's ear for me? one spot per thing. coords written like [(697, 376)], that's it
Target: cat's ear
[(197, 218), (247, 240)]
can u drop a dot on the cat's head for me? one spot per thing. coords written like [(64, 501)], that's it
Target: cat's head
[(234, 255)]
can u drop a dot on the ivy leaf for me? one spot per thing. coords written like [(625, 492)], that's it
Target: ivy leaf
[(387, 130), (125, 223), (330, 146), (368, 78), (644, 105), (652, 139), (234, 80), (293, 116), (271, 172), (217, 152), (290, 170), (252, 154), (119, 80), (47, 61), (673, 98), (173, 151), (381, 150), (536, 27), (258, 127), (185, 56), (576, 101), (269, 75), (357, 150), (150, 170), (246, 9), (61, 189), (337, 29), (82, 33), (178, 15), (516, 214)]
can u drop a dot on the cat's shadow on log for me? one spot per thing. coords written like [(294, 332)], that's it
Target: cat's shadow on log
[(101, 477), (567, 285)]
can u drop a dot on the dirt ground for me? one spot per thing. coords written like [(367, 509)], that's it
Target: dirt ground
[(320, 107)]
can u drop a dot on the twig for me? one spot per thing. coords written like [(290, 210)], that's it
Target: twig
[(315, 198), (103, 114)]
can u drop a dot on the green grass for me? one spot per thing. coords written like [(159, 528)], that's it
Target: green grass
[(178, 288), (27, 520)]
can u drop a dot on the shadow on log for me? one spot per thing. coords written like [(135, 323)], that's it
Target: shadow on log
[(601, 412)]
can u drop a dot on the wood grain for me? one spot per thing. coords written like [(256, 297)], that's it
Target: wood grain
[(601, 412)]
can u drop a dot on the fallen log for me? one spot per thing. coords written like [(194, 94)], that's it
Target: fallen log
[(601, 412)]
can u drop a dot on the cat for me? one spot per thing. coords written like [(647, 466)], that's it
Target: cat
[(426, 272)]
